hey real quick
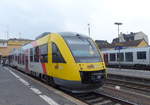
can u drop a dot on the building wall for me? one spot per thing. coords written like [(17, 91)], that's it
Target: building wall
[(17, 42), (121, 38), (3, 44), (6, 50), (137, 36), (141, 35), (11, 44)]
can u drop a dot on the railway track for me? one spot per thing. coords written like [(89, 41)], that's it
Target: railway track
[(97, 98), (140, 85), (92, 98), (133, 86), (138, 82)]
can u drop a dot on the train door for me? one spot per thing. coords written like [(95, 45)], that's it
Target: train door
[(106, 58), (58, 62)]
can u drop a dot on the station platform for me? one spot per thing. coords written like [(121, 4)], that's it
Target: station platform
[(129, 72), (16, 89)]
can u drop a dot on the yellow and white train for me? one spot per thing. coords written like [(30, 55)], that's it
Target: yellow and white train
[(69, 60)]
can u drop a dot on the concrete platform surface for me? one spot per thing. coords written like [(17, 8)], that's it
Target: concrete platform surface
[(16, 89), (130, 72)]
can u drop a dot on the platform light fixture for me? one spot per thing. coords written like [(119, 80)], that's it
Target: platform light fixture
[(118, 23), (89, 29)]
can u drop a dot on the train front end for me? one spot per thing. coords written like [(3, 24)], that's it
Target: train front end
[(87, 71)]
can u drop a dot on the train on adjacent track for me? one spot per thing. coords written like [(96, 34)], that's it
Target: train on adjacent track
[(71, 61), (136, 58)]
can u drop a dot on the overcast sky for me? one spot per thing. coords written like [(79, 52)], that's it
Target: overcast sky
[(29, 18)]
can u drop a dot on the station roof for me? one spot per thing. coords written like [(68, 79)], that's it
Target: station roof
[(104, 44), (129, 43)]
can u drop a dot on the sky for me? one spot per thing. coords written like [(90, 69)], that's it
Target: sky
[(29, 18)]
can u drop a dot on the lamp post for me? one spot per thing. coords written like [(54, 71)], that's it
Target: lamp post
[(119, 47), (89, 29), (118, 23)]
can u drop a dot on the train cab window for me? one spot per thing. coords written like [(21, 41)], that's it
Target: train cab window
[(43, 53), (83, 49), (113, 57), (56, 54), (36, 54), (120, 57), (129, 56), (31, 54), (141, 55)]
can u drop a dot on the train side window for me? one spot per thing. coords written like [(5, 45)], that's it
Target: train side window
[(56, 54), (120, 57), (44, 53), (113, 57), (19, 59), (23, 58), (31, 54), (141, 55), (129, 56), (36, 54)]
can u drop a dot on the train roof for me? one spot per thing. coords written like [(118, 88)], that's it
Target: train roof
[(42, 35), (127, 49), (63, 34), (67, 34)]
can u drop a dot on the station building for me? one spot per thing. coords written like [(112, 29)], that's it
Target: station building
[(132, 40), (6, 46)]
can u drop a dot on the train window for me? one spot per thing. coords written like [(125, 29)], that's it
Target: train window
[(56, 54), (43, 53), (31, 54), (83, 49), (141, 55), (120, 57), (36, 54), (15, 57), (113, 57), (23, 58), (129, 56), (19, 59)]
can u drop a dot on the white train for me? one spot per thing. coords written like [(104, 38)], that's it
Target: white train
[(131, 57)]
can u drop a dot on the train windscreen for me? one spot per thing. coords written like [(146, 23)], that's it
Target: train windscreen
[(83, 49)]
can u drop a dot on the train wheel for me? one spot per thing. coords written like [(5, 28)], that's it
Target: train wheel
[(50, 81)]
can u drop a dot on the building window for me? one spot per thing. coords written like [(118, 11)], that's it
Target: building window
[(120, 57), (36, 54), (141, 55), (56, 54), (129, 56), (43, 53), (113, 57)]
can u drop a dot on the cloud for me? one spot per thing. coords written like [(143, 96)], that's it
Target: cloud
[(32, 17)]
